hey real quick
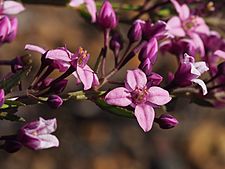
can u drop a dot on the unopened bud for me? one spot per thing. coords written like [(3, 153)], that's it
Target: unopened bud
[(116, 43), (54, 101), (58, 87), (107, 16), (166, 121), (135, 31)]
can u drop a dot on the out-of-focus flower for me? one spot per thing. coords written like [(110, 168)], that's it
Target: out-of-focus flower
[(37, 135), (187, 24), (107, 16), (2, 97), (166, 121), (135, 31), (54, 101), (90, 5), (8, 22), (189, 71), (140, 97)]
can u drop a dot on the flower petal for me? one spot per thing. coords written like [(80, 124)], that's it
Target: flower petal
[(174, 27), (47, 141), (76, 3), (145, 116), (86, 76), (35, 48), (135, 78), (201, 66), (202, 84), (58, 54), (12, 7), (119, 96), (91, 7), (158, 96), (2, 97), (220, 53)]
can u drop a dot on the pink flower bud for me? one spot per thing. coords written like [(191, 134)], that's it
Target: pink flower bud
[(54, 101), (135, 31), (107, 16), (166, 121)]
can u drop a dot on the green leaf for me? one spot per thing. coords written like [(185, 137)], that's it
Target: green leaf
[(8, 83), (119, 111), (11, 104), (11, 117)]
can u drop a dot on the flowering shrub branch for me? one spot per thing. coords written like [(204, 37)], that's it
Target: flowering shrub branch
[(199, 51)]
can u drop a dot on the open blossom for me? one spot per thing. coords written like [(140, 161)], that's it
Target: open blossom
[(189, 71), (64, 58), (187, 24), (8, 22), (90, 5), (141, 97), (37, 134)]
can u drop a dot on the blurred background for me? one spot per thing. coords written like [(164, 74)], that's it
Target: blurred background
[(93, 139)]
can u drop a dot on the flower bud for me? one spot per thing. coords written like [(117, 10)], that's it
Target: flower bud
[(13, 30), (19, 62), (43, 84), (154, 79), (166, 121), (116, 43), (135, 31), (151, 30), (149, 51), (146, 66), (2, 97), (54, 101), (58, 87), (107, 16)]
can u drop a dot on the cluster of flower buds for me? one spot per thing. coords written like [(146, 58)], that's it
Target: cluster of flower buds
[(8, 22)]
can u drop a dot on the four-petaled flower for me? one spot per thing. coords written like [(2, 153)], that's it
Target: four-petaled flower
[(139, 96), (37, 135)]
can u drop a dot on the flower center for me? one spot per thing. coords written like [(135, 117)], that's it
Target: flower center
[(83, 57), (190, 23), (139, 95)]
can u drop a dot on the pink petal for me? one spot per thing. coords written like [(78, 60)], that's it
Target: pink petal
[(182, 10), (135, 78), (145, 116), (2, 97), (118, 96), (91, 7), (158, 96), (86, 76), (58, 54), (47, 141), (174, 27), (198, 43), (202, 84), (76, 3), (220, 53), (12, 7), (35, 48), (47, 126)]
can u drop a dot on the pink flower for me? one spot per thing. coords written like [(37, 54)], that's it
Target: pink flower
[(139, 96), (187, 24), (63, 57), (37, 134), (90, 4)]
